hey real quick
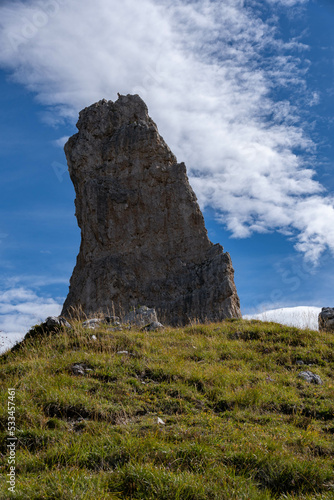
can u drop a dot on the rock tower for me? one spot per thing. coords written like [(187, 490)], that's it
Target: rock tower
[(143, 238)]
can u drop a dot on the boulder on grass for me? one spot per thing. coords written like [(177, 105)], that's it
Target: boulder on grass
[(54, 321), (152, 327), (141, 317), (92, 323)]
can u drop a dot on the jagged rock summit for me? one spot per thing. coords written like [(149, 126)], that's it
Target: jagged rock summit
[(143, 238)]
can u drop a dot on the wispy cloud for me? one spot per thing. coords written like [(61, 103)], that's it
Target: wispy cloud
[(21, 308), (209, 72), (61, 141), (287, 3), (30, 282)]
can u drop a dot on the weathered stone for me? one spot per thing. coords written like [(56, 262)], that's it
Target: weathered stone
[(326, 319), (143, 235), (152, 327), (112, 320), (141, 316), (92, 323), (53, 321), (80, 369), (310, 377)]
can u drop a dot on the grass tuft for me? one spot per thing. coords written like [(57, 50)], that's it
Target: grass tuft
[(235, 420)]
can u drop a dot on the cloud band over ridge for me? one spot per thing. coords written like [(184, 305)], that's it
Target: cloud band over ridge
[(210, 73)]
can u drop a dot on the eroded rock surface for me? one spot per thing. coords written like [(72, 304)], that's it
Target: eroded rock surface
[(310, 377), (143, 235), (326, 319), (141, 316)]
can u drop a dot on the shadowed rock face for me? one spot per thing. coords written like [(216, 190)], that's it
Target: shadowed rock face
[(326, 319), (143, 238)]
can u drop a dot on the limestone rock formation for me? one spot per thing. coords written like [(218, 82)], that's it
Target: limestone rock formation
[(143, 238)]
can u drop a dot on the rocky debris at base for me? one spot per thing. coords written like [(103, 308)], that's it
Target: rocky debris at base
[(54, 321), (92, 323), (112, 320), (326, 319), (141, 316), (310, 377)]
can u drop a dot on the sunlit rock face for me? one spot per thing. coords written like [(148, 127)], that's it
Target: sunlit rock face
[(143, 237)]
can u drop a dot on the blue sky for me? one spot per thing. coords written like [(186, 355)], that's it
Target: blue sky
[(242, 92)]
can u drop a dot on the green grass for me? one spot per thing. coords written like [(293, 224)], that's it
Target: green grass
[(239, 423)]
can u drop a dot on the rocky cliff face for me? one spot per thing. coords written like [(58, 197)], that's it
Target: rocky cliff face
[(143, 235)]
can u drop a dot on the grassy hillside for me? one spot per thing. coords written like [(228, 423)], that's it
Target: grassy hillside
[(238, 422)]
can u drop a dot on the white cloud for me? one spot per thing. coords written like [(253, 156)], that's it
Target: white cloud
[(60, 143), (21, 308), (26, 283), (207, 71)]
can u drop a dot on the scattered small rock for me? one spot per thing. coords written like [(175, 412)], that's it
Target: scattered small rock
[(112, 320), (310, 377), (77, 425), (126, 353), (80, 369), (53, 321), (92, 323), (94, 337), (160, 421), (299, 362), (152, 327), (77, 370)]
